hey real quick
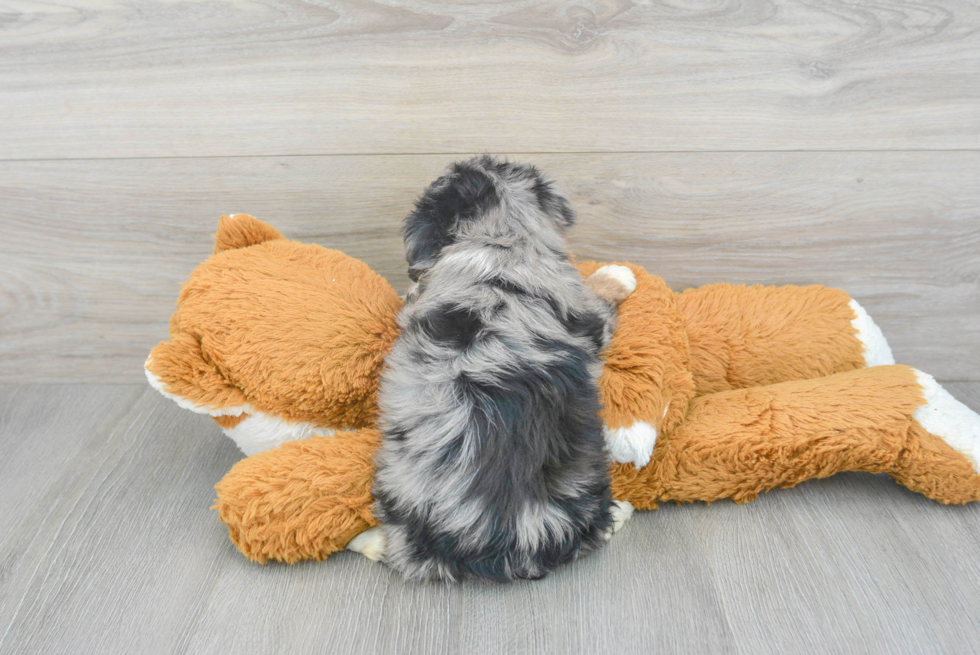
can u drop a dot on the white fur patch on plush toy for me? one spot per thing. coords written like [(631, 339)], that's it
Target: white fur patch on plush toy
[(257, 432), (948, 418), (633, 444), (876, 349), (260, 432), (621, 274)]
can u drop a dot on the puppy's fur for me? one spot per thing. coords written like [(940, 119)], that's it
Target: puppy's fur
[(492, 462)]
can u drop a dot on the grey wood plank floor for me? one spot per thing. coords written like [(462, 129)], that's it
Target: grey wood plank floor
[(110, 547)]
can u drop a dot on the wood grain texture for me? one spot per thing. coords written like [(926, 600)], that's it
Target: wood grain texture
[(112, 549), (80, 78), (93, 253), (117, 555), (54, 424)]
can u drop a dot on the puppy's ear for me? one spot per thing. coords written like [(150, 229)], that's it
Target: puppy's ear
[(552, 201), (415, 272), (461, 194)]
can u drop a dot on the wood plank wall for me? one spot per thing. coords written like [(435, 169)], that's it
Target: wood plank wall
[(745, 141)]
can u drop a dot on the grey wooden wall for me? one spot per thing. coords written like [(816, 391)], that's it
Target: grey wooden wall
[(745, 141)]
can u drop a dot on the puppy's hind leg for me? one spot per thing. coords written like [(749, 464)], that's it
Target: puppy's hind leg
[(621, 512), (370, 543), (613, 283)]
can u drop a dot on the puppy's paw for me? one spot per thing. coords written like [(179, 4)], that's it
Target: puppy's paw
[(370, 543), (621, 511), (612, 282)]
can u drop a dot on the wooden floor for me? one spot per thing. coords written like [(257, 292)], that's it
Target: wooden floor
[(110, 547), (707, 140)]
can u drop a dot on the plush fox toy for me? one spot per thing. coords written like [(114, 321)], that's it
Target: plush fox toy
[(717, 392)]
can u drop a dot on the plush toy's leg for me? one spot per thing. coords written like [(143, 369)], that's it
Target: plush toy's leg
[(742, 336), (310, 498), (736, 444), (944, 447), (303, 500)]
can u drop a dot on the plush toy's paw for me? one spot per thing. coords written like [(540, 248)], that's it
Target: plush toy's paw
[(621, 512), (631, 445), (949, 419), (370, 543), (612, 282)]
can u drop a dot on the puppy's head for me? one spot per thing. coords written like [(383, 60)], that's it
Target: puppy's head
[(506, 197)]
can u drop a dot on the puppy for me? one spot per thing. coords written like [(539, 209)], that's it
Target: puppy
[(492, 462)]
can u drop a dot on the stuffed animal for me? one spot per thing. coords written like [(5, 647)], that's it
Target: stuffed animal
[(718, 392)]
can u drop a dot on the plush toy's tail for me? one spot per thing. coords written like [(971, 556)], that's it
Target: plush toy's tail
[(885, 419)]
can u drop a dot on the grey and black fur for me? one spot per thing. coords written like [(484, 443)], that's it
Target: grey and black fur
[(493, 460)]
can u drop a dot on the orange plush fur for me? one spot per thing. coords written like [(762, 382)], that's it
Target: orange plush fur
[(261, 325), (747, 388)]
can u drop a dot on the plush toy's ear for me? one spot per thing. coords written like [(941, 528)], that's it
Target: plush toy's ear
[(241, 231), (179, 371)]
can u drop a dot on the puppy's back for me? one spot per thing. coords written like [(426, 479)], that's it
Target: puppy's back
[(493, 462)]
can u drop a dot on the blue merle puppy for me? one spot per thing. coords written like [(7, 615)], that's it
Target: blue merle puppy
[(492, 462)]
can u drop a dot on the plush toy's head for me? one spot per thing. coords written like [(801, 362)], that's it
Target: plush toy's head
[(272, 335)]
